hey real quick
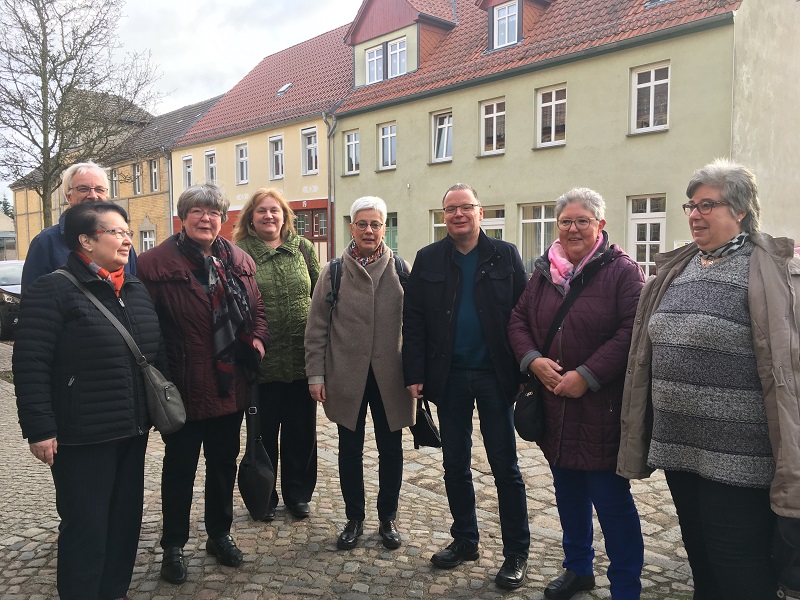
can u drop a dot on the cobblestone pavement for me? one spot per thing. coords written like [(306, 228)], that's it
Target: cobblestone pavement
[(295, 559)]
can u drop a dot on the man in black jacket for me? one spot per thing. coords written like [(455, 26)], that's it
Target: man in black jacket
[(456, 352)]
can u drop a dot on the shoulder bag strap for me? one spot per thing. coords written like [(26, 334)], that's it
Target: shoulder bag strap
[(140, 359)]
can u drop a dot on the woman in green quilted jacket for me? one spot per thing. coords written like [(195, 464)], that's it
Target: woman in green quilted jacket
[(286, 272)]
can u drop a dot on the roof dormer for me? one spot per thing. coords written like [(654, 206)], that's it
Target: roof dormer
[(510, 21)]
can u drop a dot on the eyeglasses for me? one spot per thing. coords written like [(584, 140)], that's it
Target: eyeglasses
[(705, 207), (198, 213), (580, 224), (85, 189), (465, 209), (117, 233), (374, 225)]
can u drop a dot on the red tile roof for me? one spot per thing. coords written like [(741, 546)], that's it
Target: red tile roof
[(320, 71), (564, 28), (441, 9)]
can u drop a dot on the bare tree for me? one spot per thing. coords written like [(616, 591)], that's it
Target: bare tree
[(65, 96)]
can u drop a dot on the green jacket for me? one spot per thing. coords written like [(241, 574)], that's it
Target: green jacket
[(286, 283)]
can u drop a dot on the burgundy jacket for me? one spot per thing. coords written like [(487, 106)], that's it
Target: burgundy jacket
[(582, 433), (184, 312)]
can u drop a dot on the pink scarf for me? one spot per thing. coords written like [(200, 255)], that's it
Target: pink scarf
[(561, 269)]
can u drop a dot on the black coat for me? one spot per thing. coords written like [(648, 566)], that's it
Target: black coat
[(75, 377), (431, 301)]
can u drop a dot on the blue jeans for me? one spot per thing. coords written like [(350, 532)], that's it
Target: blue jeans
[(576, 492), (465, 389)]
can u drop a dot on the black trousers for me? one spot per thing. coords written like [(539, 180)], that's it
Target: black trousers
[(289, 413), (727, 531), (99, 497), (390, 458), (219, 438)]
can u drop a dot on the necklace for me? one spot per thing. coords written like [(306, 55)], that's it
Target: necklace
[(709, 262)]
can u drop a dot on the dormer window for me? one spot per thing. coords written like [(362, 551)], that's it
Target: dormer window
[(375, 64), (397, 58), (505, 24), (386, 61)]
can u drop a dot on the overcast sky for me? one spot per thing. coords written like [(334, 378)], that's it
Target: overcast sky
[(204, 47)]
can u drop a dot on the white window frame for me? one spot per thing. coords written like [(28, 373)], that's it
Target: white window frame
[(438, 227), (648, 219), (147, 240), (649, 87), (552, 105), (310, 144), (137, 178), (374, 63), (397, 57), (187, 172), (114, 178), (276, 157), (387, 135), (154, 175), (352, 152), (503, 16), (497, 113), (442, 137), (242, 164), (539, 223), (211, 165)]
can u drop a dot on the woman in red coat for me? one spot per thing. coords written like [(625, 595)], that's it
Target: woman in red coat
[(213, 321)]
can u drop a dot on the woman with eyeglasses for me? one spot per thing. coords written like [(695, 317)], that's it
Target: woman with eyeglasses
[(353, 362), (582, 374), (207, 299), (81, 400), (712, 387)]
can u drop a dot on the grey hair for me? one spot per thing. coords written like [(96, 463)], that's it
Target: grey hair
[(738, 187), (588, 199), (368, 203), (79, 169), (461, 186), (206, 195)]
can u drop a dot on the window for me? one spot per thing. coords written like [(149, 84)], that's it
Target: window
[(211, 166), (187, 172), (276, 157), (242, 167), (439, 228), (648, 221), (397, 58), (310, 151), (137, 178), (352, 153), (494, 127), (320, 221), (650, 99), (114, 183), (147, 240), (390, 236), (553, 116), (538, 232), (443, 137), (154, 175), (375, 64), (505, 24), (387, 150), (494, 222)]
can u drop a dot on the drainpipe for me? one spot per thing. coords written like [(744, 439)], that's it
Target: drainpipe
[(331, 126), (170, 220)]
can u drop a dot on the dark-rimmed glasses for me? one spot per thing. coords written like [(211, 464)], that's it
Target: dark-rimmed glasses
[(197, 213), (362, 225), (85, 189), (705, 207), (465, 208), (580, 224)]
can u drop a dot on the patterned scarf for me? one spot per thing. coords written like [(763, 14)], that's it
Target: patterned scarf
[(364, 261), (562, 270), (115, 279), (232, 323), (727, 248)]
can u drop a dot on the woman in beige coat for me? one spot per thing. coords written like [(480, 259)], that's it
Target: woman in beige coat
[(353, 361)]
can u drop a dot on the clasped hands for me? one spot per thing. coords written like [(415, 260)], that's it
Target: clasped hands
[(569, 385)]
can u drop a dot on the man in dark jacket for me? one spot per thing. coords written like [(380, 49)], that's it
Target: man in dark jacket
[(455, 351), (81, 182)]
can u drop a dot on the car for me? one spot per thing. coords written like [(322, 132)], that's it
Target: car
[(10, 278)]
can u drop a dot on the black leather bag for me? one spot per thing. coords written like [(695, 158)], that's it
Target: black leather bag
[(256, 473), (529, 411), (424, 430)]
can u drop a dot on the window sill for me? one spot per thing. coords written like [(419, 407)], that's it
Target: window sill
[(549, 146), (386, 169), (245, 182), (310, 173), (445, 161), (280, 178), (647, 132), (492, 155), (353, 174)]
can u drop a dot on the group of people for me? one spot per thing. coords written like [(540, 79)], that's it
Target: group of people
[(693, 372)]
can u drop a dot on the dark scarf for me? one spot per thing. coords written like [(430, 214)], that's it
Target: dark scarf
[(231, 321), (727, 248)]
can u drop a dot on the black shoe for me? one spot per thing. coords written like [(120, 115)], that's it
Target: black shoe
[(389, 534), (173, 568), (225, 550), (455, 554), (512, 574), (299, 509), (349, 537), (270, 515), (569, 584)]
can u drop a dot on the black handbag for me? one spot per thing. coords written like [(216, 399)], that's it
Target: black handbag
[(424, 429), (256, 473)]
